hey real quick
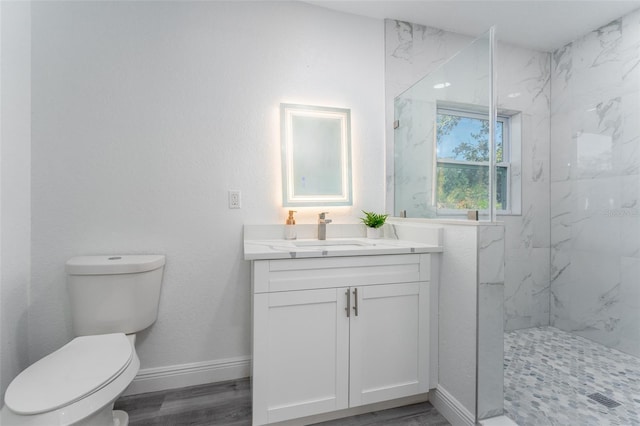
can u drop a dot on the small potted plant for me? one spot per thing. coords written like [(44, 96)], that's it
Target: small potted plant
[(373, 222)]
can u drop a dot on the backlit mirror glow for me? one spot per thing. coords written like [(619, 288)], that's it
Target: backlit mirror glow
[(316, 155)]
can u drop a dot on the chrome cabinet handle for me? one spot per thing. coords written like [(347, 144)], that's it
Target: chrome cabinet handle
[(355, 295), (348, 308)]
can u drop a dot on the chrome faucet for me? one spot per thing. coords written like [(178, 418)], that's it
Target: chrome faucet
[(322, 225)]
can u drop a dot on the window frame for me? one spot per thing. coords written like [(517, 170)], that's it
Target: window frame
[(507, 138)]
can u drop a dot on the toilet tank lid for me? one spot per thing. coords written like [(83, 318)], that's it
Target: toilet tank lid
[(114, 264)]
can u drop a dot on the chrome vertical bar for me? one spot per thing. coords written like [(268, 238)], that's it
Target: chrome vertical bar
[(355, 296), (348, 308), (492, 125)]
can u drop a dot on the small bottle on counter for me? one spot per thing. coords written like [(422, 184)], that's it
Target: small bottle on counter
[(290, 227)]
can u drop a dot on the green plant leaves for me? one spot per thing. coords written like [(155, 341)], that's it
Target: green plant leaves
[(373, 220)]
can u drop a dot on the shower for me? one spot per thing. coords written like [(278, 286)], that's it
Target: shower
[(568, 195)]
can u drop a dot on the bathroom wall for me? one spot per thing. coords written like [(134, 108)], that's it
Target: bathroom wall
[(523, 85), (15, 171), (491, 262), (456, 302), (471, 267), (145, 114), (457, 322), (595, 185)]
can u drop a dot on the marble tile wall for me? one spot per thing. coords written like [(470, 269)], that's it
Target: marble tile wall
[(413, 149), (467, 78), (523, 82), (411, 52), (595, 185)]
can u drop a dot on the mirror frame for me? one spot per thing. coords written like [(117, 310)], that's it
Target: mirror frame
[(288, 112)]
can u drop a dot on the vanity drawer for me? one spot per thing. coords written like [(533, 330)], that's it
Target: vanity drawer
[(316, 273)]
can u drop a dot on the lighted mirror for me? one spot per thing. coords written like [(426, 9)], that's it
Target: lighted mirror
[(316, 155)]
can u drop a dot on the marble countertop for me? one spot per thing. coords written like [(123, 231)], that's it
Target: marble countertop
[(331, 247)]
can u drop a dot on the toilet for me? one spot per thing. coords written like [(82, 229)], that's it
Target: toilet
[(112, 298)]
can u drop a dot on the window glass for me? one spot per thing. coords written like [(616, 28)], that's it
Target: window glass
[(466, 138), (462, 172)]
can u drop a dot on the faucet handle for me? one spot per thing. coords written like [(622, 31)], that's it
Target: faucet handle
[(322, 215)]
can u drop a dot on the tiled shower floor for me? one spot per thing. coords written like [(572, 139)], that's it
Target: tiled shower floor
[(550, 373)]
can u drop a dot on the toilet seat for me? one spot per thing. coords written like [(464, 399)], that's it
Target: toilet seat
[(80, 368)]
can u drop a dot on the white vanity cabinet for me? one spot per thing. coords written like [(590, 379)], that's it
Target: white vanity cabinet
[(338, 332)]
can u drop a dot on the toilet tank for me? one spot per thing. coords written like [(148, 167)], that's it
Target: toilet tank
[(114, 294)]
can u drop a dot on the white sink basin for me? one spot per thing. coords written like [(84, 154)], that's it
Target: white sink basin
[(332, 243)]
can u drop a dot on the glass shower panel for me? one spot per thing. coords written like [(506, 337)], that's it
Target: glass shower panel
[(447, 143), (443, 136), (415, 114)]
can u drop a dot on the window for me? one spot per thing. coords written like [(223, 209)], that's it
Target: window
[(462, 157)]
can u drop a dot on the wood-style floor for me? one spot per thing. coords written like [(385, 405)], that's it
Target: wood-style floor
[(229, 404)]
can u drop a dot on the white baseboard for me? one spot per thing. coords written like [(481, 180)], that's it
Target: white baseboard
[(197, 373), (451, 408)]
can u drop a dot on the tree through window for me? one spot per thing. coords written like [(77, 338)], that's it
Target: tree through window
[(462, 172)]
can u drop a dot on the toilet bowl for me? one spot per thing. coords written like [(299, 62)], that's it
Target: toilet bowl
[(78, 383), (68, 386)]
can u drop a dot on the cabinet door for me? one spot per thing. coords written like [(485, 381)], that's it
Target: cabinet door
[(389, 342), (301, 354)]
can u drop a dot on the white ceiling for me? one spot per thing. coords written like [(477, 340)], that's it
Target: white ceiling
[(539, 24)]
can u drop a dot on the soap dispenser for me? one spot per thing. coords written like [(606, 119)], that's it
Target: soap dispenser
[(290, 227)]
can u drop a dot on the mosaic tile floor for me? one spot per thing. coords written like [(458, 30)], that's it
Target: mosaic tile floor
[(550, 373)]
